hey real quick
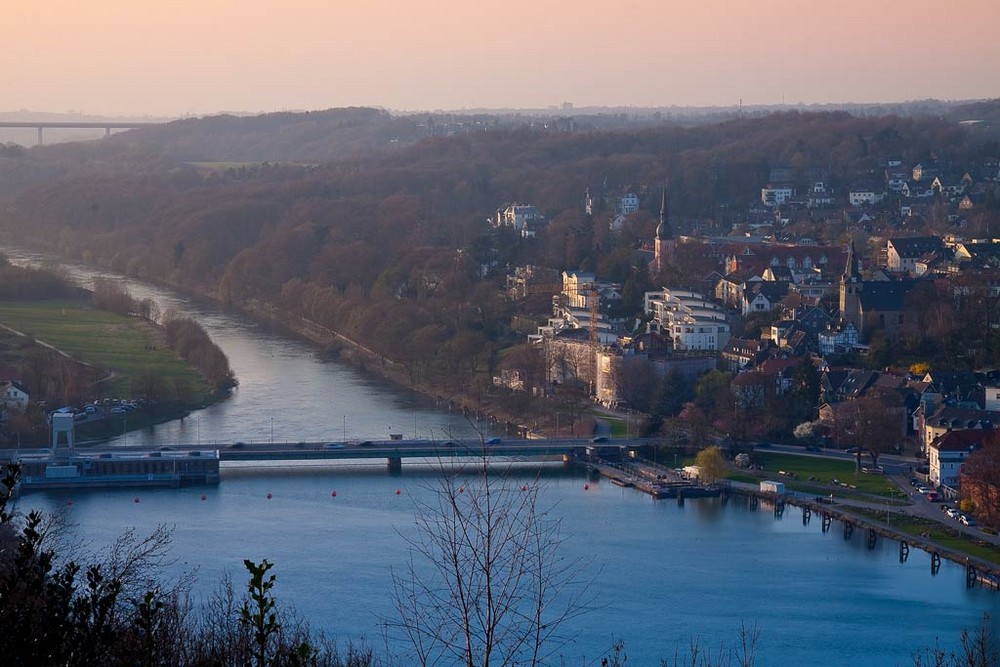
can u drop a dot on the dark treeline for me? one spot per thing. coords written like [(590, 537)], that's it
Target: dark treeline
[(111, 294), (191, 342), (23, 283), (390, 248), (60, 606)]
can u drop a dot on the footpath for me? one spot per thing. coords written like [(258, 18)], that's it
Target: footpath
[(843, 508)]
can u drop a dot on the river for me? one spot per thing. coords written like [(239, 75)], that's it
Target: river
[(664, 575)]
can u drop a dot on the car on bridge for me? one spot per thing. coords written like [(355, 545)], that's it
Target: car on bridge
[(334, 445)]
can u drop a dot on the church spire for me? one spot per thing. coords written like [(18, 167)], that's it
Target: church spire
[(663, 229), (852, 268)]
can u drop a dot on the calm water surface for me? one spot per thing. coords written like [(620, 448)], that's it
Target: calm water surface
[(665, 574)]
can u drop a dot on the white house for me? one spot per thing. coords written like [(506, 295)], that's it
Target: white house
[(861, 195), (688, 319), (524, 218), (948, 452), (628, 203), (776, 195), (14, 396)]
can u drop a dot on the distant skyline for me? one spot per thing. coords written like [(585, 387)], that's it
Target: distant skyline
[(137, 57)]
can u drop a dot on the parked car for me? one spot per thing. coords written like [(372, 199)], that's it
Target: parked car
[(967, 520), (952, 512), (932, 496)]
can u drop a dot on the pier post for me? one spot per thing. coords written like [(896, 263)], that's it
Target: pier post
[(395, 464), (971, 575), (779, 508), (806, 516), (848, 530), (904, 551), (827, 520), (872, 538), (754, 501), (680, 497), (935, 562), (40, 142)]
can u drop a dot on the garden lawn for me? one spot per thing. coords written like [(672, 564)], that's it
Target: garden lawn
[(823, 471), (125, 347)]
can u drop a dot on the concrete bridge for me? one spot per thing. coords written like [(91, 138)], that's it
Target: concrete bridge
[(107, 126), (393, 451)]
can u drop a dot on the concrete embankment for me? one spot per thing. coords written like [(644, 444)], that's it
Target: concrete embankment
[(978, 570)]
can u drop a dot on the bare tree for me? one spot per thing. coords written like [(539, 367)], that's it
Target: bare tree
[(485, 584)]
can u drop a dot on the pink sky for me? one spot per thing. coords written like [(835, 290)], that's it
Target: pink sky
[(173, 57)]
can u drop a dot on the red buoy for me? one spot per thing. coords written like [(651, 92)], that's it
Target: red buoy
[(586, 487), (461, 489), (136, 499), (524, 488), (69, 503), (333, 494), (268, 495), (398, 492), (204, 497)]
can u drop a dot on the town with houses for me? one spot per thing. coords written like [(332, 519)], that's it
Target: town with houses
[(775, 300)]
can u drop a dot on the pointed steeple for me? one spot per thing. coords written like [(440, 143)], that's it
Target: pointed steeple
[(663, 229), (852, 268)]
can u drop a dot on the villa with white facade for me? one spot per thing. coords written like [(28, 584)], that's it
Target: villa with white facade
[(690, 320)]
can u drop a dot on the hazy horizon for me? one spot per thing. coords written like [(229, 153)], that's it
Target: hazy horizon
[(119, 57)]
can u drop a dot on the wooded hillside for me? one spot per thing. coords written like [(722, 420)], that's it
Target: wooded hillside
[(390, 247)]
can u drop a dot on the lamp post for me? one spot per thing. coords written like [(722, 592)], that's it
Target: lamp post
[(345, 429), (272, 430)]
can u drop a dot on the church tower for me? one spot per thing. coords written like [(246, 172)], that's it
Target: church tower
[(663, 245), (851, 286)]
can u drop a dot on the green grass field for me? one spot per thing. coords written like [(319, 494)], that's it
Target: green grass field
[(814, 474), (126, 347)]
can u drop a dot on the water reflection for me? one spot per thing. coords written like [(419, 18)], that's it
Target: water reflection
[(286, 392)]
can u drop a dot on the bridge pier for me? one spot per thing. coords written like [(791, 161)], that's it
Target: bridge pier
[(395, 464), (40, 135)]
